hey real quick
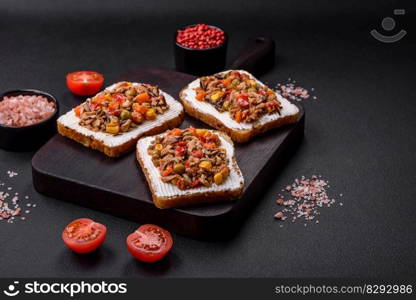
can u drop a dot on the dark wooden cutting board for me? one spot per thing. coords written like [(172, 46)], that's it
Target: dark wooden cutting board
[(66, 170)]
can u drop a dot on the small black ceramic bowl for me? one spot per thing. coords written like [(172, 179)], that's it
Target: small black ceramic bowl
[(28, 138), (200, 61)]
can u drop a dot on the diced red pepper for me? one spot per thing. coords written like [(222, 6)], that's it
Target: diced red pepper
[(200, 96), (209, 145), (180, 183), (180, 151), (137, 117), (140, 108), (167, 172), (99, 99), (113, 105), (114, 112), (143, 97), (227, 81), (193, 130), (197, 153), (195, 183), (202, 138), (243, 96), (176, 132), (182, 143), (78, 111), (120, 98), (237, 116)]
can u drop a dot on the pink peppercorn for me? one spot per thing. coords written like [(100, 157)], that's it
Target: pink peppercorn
[(200, 36)]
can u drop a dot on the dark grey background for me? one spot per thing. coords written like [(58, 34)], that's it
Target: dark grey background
[(360, 133)]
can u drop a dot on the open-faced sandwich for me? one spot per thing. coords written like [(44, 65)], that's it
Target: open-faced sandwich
[(113, 120), (237, 103), (190, 166)]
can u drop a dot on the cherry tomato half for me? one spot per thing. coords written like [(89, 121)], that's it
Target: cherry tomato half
[(84, 235), (84, 83), (149, 243)]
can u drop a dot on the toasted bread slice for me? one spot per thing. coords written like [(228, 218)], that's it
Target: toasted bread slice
[(117, 145), (167, 195), (239, 132)]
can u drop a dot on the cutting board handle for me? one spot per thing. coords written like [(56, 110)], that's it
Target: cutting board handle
[(257, 57)]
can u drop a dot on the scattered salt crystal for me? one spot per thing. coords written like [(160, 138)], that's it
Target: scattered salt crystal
[(278, 215), (10, 209), (12, 174), (292, 92), (306, 196)]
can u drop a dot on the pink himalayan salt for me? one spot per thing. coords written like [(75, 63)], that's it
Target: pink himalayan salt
[(25, 110)]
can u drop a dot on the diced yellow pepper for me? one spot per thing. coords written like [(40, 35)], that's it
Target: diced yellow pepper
[(112, 128), (201, 132), (218, 178), (205, 165), (158, 147), (252, 83), (150, 114), (216, 96), (226, 105)]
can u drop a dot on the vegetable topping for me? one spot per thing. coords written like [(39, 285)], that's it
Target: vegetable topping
[(121, 107), (190, 158), (243, 97)]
